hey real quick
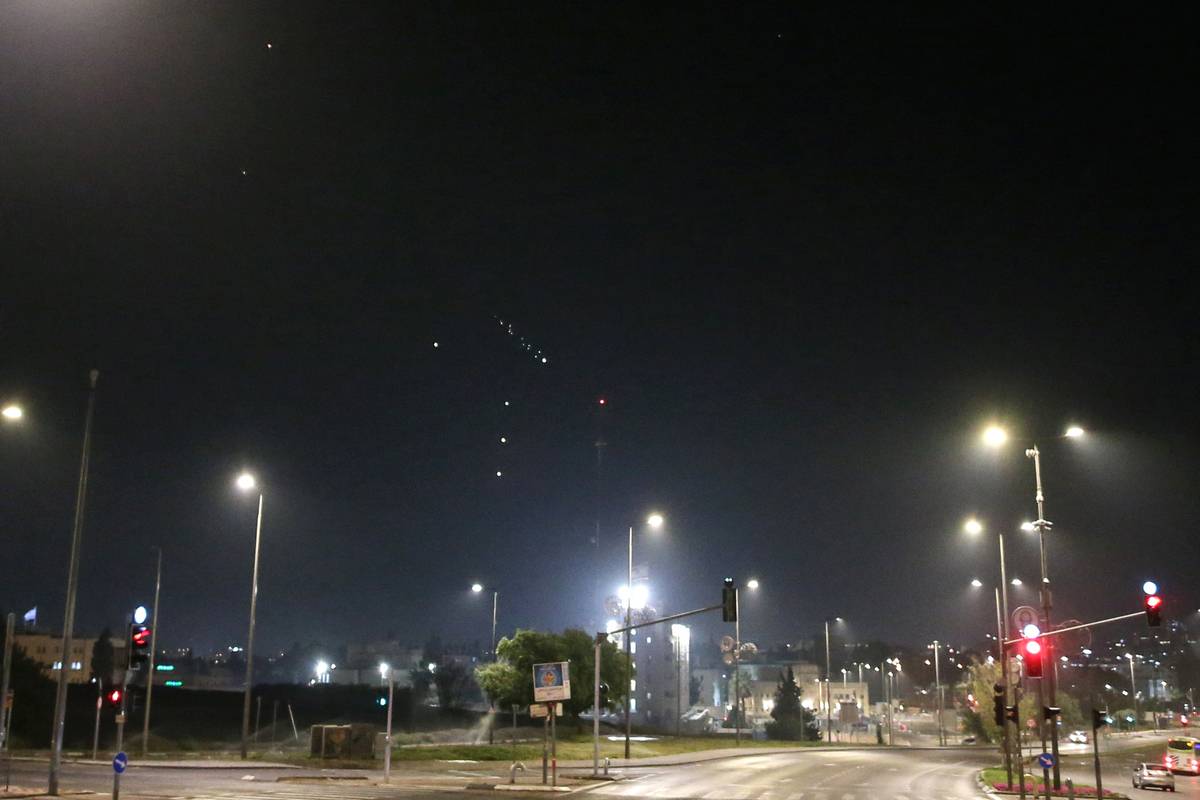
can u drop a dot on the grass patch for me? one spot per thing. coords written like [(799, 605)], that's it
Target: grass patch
[(579, 747)]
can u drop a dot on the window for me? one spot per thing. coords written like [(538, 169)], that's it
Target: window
[(648, 640), (57, 665), (633, 647), (633, 705), (633, 684)]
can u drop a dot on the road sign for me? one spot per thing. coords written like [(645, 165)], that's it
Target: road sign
[(551, 682), (540, 710), (1046, 761), (1024, 615), (120, 761)]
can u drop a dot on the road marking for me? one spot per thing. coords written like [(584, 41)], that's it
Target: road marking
[(796, 796)]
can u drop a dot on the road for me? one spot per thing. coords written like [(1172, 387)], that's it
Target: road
[(897, 774), (885, 774)]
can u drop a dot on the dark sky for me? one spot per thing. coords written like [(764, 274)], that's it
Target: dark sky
[(804, 256)]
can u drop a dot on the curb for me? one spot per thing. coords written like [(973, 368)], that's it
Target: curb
[(517, 787)]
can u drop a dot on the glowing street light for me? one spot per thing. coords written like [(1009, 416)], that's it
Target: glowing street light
[(1074, 432), (1016, 582), (655, 520), (752, 584), (995, 436), (973, 526), (976, 582), (476, 587), (12, 412), (246, 482), (1028, 527)]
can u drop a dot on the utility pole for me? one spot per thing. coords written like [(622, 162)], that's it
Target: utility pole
[(1043, 526), (153, 652), (10, 627), (738, 708), (60, 695), (937, 678), (250, 643)]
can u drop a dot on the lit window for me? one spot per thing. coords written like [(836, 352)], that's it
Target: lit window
[(633, 647), (633, 705), (648, 695), (57, 665), (648, 640), (632, 685)]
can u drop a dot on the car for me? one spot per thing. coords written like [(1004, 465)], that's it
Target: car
[(1146, 776), (1078, 737)]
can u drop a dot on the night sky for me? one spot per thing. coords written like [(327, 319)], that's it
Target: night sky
[(804, 257)]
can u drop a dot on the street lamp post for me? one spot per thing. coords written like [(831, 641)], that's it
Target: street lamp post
[(1137, 716), (60, 696), (655, 521), (247, 483), (153, 652), (975, 527), (385, 671), (477, 588), (937, 679), (828, 689)]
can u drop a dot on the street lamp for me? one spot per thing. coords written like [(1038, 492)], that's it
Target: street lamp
[(654, 521), (246, 482), (828, 689), (12, 412), (60, 695), (385, 673), (1042, 526), (478, 588)]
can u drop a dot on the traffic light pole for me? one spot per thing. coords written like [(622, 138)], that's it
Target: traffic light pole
[(601, 637), (116, 793), (1042, 526), (1003, 661)]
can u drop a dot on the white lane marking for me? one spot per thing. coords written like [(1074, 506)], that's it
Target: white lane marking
[(796, 796)]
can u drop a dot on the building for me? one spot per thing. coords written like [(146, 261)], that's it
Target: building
[(759, 682), (46, 650), (659, 688)]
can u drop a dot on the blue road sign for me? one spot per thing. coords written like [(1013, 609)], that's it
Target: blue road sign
[(120, 761), (1046, 761)]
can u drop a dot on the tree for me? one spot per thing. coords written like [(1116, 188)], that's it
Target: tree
[(452, 681), (510, 679), (792, 721), (102, 657), (980, 681)]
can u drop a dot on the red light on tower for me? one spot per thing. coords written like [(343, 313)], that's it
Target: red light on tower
[(602, 401)]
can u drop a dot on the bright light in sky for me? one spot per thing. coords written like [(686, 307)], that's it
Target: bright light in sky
[(995, 436), (1016, 582), (1074, 432), (1028, 527), (752, 583), (477, 587), (973, 526), (655, 520), (321, 668), (246, 482), (976, 582), (13, 412)]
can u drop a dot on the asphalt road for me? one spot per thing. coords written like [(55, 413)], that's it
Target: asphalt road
[(829, 775)]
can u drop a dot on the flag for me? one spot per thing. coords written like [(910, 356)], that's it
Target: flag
[(31, 616)]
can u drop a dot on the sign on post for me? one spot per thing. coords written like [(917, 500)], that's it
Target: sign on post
[(540, 710), (1046, 760), (551, 682), (120, 762)]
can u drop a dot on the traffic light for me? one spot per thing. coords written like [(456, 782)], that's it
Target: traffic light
[(1099, 719), (114, 697), (1050, 712), (729, 603), (1153, 604), (139, 643), (1012, 713), (998, 704), (1033, 657)]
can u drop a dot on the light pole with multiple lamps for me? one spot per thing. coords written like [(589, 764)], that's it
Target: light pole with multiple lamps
[(247, 483), (974, 527), (995, 436), (654, 522)]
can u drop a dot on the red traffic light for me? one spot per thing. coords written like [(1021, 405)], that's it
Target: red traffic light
[(1033, 658), (141, 637), (1153, 601), (1033, 647), (114, 697)]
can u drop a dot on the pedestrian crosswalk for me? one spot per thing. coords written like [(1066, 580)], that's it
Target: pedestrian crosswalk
[(315, 792)]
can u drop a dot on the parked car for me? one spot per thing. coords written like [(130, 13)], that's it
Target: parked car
[(1078, 737), (1146, 776)]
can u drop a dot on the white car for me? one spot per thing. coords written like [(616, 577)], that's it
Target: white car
[(1146, 776), (1078, 737)]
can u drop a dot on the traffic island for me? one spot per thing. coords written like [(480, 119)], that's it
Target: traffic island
[(993, 781)]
